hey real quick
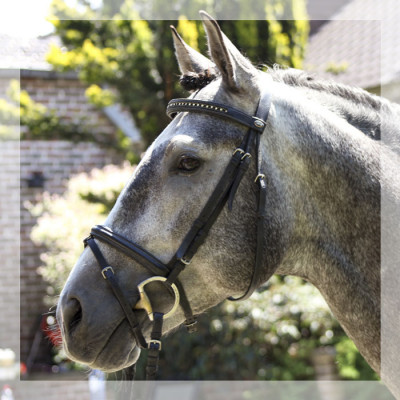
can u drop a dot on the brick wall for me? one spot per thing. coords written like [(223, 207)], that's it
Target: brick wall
[(67, 98), (57, 160), (4, 84), (9, 248)]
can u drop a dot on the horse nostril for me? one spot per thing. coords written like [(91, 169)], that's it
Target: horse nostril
[(72, 314)]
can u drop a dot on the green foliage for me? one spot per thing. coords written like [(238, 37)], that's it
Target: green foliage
[(43, 123), (271, 336), (337, 69), (9, 113), (63, 221), (40, 123), (8, 109), (38, 120), (100, 97), (136, 57), (122, 55), (351, 365)]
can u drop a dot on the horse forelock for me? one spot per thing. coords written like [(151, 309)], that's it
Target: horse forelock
[(194, 81)]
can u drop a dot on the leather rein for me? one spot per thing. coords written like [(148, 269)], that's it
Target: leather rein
[(223, 193)]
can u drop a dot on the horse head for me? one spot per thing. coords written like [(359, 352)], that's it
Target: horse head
[(158, 207)]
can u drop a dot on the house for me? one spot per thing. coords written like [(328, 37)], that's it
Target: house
[(360, 46), (54, 162), (321, 11), (63, 92)]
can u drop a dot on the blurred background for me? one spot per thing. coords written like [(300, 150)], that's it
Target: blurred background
[(83, 90)]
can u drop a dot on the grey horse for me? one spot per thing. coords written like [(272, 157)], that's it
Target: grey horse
[(322, 158)]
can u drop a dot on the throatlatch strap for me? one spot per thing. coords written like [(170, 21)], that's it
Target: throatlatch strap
[(262, 112), (190, 319)]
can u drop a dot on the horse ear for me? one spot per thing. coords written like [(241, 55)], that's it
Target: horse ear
[(234, 67), (189, 60)]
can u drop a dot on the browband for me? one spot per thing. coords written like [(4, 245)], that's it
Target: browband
[(221, 110)]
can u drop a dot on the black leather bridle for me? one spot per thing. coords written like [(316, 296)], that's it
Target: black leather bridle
[(223, 193)]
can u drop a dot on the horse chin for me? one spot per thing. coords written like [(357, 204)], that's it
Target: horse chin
[(110, 361), (119, 352)]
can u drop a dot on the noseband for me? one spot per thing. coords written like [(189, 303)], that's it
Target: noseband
[(223, 193)]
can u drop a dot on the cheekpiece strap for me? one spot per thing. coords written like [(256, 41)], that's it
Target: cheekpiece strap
[(154, 347)]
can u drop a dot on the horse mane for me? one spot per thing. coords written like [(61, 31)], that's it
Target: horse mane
[(296, 77), (357, 106)]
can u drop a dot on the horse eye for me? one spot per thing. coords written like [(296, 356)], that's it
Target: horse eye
[(188, 164)]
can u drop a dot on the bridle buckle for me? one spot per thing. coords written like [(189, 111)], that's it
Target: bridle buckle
[(259, 176), (191, 326), (239, 150), (156, 343), (184, 261), (104, 270)]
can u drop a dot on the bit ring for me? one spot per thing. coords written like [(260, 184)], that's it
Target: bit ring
[(144, 301)]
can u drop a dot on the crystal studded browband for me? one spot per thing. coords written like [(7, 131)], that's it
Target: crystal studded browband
[(177, 105)]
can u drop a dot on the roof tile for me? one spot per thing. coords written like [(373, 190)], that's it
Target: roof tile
[(364, 34), (25, 53)]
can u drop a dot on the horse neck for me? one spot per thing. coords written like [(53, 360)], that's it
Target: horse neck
[(328, 172)]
